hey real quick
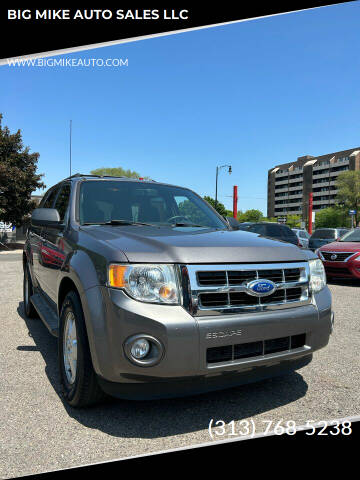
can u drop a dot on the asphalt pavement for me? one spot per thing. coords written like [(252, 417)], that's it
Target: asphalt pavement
[(38, 432)]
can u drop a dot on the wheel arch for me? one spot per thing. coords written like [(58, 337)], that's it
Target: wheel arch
[(67, 285)]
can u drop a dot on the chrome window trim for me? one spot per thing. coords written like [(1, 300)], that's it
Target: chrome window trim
[(196, 309)]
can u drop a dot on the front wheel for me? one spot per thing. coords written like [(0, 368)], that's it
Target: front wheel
[(78, 378), (28, 291)]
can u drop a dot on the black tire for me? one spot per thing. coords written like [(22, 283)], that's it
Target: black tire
[(84, 390), (28, 290)]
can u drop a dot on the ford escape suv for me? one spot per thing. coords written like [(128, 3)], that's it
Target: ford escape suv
[(152, 294)]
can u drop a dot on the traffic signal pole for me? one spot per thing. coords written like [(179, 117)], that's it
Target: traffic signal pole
[(235, 200)]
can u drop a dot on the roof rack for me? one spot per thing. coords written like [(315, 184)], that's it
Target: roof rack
[(102, 176)]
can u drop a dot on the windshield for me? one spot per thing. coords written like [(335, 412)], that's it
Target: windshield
[(352, 236), (324, 233), (103, 201)]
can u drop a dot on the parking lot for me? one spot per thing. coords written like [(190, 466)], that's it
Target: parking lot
[(38, 432)]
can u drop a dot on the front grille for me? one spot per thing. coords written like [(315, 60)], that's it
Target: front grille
[(224, 288), (340, 256), (337, 271), (229, 353), (238, 277), (212, 278), (214, 299), (234, 299)]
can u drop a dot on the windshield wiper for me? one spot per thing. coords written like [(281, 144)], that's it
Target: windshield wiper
[(119, 222), (127, 222), (183, 224)]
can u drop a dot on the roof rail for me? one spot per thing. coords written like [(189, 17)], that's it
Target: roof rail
[(103, 176)]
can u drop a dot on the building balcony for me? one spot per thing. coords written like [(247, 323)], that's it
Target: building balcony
[(320, 175), (326, 192)]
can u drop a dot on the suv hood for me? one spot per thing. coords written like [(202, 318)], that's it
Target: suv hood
[(193, 245)]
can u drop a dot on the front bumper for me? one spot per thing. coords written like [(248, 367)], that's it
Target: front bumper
[(112, 317), (178, 387), (349, 269)]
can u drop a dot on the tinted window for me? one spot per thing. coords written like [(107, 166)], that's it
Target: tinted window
[(352, 236), (275, 231), (324, 233), (62, 201), (257, 229), (287, 233), (105, 200), (50, 197)]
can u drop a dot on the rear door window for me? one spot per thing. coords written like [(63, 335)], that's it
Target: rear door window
[(62, 201), (257, 229), (288, 234), (274, 231), (50, 198)]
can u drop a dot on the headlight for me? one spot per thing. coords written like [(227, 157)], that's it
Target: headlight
[(147, 283), (317, 275), (357, 258)]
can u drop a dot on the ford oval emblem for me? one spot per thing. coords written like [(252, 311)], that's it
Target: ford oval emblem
[(261, 287)]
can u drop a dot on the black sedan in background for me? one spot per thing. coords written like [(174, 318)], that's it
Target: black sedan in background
[(277, 231)]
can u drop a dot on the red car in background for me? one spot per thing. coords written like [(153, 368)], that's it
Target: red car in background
[(342, 258)]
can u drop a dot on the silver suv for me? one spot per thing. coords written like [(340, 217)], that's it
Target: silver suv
[(152, 294)]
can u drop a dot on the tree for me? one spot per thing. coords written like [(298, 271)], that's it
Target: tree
[(331, 217), (348, 190), (220, 208), (117, 172), (18, 177), (293, 221), (252, 215)]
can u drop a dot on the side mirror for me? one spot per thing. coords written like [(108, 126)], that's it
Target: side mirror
[(49, 217), (233, 223)]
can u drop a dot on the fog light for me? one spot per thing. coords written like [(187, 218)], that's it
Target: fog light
[(140, 348), (143, 350)]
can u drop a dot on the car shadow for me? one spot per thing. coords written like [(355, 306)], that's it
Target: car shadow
[(168, 417)]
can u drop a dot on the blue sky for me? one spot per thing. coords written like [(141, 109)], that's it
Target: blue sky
[(251, 94)]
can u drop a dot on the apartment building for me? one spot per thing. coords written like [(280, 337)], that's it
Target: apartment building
[(289, 184)]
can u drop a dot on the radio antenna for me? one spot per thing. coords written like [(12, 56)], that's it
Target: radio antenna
[(70, 144)]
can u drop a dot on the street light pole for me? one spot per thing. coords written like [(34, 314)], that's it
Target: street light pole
[(217, 175)]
